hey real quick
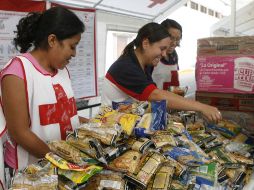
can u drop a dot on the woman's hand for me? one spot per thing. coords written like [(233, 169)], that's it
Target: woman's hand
[(211, 113)]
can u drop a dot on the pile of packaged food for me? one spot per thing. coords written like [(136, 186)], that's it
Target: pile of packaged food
[(138, 145)]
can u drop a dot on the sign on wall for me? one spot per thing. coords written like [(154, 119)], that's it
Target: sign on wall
[(10, 14), (82, 68)]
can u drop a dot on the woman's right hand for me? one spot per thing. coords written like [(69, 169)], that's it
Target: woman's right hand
[(212, 114)]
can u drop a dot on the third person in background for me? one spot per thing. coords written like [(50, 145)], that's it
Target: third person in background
[(165, 74)]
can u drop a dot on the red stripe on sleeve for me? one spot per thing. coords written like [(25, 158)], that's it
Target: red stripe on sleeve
[(146, 93), (142, 97)]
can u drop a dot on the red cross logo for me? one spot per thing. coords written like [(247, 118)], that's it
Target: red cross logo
[(155, 2), (60, 112)]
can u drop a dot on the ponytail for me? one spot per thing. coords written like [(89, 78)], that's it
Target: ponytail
[(152, 31), (129, 48), (34, 29), (26, 31)]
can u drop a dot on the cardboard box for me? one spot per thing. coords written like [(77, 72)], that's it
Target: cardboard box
[(227, 101), (243, 45), (226, 74)]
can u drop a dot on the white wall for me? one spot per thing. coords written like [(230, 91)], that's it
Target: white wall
[(106, 21), (195, 25)]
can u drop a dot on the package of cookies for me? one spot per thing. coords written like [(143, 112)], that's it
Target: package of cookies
[(106, 179), (139, 144), (128, 162), (147, 168), (163, 177)]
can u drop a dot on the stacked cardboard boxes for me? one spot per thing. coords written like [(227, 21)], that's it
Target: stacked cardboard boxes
[(225, 74), (225, 64)]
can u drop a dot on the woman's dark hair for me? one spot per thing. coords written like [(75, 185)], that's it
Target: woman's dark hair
[(154, 32), (35, 28), (169, 23)]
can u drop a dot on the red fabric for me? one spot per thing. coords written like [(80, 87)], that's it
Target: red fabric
[(60, 112), (146, 93), (22, 5), (142, 97), (174, 81)]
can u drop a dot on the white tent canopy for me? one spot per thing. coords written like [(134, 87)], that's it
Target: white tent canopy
[(157, 10), (147, 9)]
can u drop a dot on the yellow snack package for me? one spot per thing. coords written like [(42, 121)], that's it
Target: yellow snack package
[(80, 176), (63, 164), (126, 120)]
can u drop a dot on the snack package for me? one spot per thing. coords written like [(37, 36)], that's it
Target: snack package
[(236, 177), (186, 156), (132, 107), (219, 155), (42, 167), (174, 118), (128, 162), (242, 159), (148, 167), (178, 185), (81, 143), (124, 106), (107, 135), (142, 108), (189, 117), (113, 152), (195, 128), (146, 121), (227, 128), (159, 111), (41, 175), (127, 121), (63, 164), (43, 182), (66, 151), (175, 128), (163, 177), (79, 177), (106, 179), (139, 144), (185, 141), (156, 120), (208, 147), (66, 184), (240, 138), (163, 138), (239, 148), (180, 169), (104, 111), (206, 174), (222, 177), (203, 139)]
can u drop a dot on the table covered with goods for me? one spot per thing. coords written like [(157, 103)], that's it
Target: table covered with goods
[(139, 145)]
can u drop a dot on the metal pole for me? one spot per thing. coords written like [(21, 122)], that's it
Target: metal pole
[(232, 18)]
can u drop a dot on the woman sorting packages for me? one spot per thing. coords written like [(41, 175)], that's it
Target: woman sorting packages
[(129, 76), (36, 94)]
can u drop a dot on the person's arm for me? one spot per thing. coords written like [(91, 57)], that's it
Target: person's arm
[(17, 116), (179, 103)]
